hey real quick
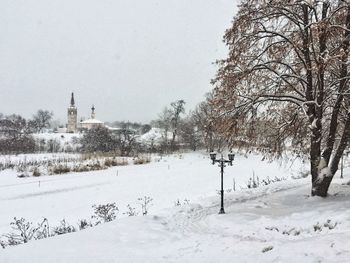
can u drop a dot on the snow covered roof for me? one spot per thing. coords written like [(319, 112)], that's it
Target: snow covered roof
[(92, 121), (113, 128)]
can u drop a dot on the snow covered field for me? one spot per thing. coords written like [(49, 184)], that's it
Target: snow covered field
[(280, 219)]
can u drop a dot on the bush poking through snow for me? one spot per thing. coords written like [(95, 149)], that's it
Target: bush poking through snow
[(25, 231), (131, 211), (328, 224), (178, 203), (254, 182), (266, 249), (291, 232), (22, 170), (63, 228), (316, 228), (43, 230), (61, 169), (109, 162), (106, 212), (142, 160), (36, 172), (145, 203), (83, 224)]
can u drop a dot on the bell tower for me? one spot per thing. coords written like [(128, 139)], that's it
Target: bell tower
[(93, 115), (72, 116)]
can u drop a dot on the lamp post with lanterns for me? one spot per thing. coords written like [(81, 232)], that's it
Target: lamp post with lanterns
[(222, 162)]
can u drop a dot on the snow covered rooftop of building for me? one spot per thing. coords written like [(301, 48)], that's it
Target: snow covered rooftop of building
[(113, 128), (93, 121)]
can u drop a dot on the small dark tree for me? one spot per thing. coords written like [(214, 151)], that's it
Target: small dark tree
[(14, 135), (164, 123), (126, 138), (177, 108), (189, 133), (105, 212), (41, 120), (97, 140), (208, 124)]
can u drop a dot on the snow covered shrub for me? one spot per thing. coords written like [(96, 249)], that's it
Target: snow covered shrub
[(43, 230), (142, 160), (24, 232), (96, 166), (53, 145), (63, 228), (83, 223), (268, 181), (291, 232), (131, 211), (328, 224), (61, 169), (253, 182), (145, 203), (99, 139), (22, 170), (105, 212), (36, 171), (185, 202), (109, 162), (266, 249), (80, 168), (2, 244), (177, 203)]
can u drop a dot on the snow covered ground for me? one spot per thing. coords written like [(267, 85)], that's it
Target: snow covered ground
[(19, 158), (280, 219)]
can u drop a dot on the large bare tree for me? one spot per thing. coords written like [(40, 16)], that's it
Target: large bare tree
[(287, 71)]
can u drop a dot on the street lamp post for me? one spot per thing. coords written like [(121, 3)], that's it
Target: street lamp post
[(222, 161)]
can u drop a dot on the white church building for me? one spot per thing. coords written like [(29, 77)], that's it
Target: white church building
[(72, 123)]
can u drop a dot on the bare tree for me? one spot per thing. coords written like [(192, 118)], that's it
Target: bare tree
[(177, 108), (208, 124), (127, 139), (287, 70), (98, 139), (41, 120), (14, 135), (164, 123), (189, 132)]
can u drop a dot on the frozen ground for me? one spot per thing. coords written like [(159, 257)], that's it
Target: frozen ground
[(281, 218)]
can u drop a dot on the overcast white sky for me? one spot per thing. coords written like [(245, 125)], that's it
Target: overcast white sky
[(128, 57)]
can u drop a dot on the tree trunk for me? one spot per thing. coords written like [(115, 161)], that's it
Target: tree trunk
[(320, 188)]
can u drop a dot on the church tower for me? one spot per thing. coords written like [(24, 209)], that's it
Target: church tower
[(93, 115), (72, 116)]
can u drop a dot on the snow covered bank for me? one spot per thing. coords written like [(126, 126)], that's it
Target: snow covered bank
[(71, 196), (279, 219)]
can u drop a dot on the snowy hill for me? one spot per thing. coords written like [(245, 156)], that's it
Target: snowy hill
[(62, 141), (154, 136), (278, 222)]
